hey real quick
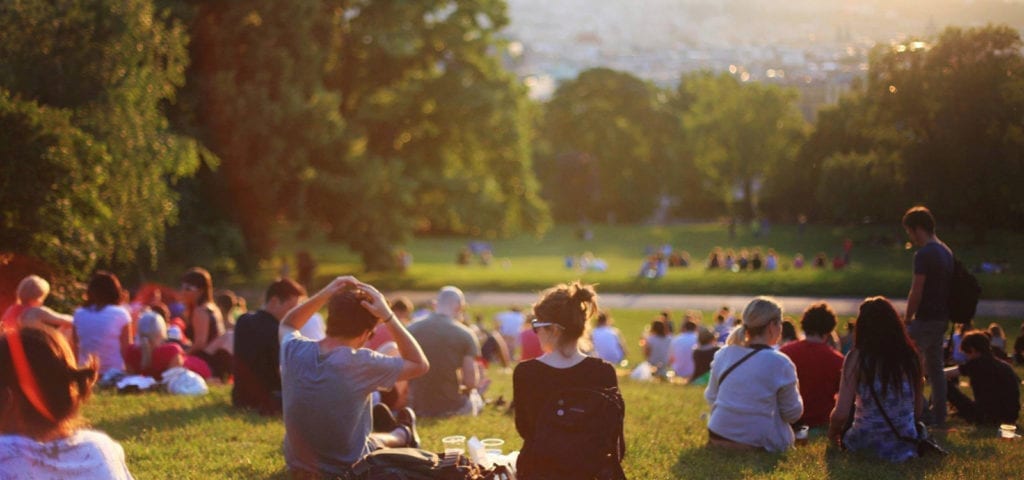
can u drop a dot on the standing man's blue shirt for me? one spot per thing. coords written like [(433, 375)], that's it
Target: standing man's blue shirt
[(935, 262)]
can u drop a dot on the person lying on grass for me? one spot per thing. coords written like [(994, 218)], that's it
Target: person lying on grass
[(327, 385), (42, 389)]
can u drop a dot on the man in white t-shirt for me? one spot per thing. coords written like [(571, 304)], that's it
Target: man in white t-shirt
[(510, 323), (608, 345), (682, 349)]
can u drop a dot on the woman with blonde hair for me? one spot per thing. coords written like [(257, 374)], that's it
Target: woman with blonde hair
[(753, 388), (42, 389), (542, 386)]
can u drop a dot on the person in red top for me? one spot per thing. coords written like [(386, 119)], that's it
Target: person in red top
[(818, 365), (530, 345)]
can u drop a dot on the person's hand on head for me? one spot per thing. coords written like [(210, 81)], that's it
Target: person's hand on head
[(340, 284), (375, 302)]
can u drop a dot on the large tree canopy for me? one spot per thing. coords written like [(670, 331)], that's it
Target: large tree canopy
[(365, 119), (89, 159)]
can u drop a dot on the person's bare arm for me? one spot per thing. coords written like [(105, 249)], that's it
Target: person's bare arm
[(914, 297), (415, 361), (297, 317), (470, 378), (847, 394), (200, 329), (126, 337)]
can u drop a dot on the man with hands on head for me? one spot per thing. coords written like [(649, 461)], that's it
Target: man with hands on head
[(327, 384)]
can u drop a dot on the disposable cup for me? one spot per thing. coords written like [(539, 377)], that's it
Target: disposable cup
[(493, 445), (454, 445), (1007, 431)]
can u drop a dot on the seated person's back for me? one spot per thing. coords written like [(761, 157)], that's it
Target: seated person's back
[(452, 349), (327, 385), (152, 354), (818, 366), (257, 349), (565, 374)]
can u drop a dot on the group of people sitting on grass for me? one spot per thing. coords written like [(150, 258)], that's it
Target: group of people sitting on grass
[(328, 389)]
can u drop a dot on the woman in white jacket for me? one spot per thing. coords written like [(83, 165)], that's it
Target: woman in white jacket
[(753, 389)]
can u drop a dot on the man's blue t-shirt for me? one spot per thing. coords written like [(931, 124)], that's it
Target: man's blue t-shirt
[(935, 262)]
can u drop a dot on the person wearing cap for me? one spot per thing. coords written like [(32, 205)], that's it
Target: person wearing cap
[(42, 391), (753, 403), (452, 349), (327, 385)]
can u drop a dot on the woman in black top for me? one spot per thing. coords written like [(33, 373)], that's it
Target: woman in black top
[(560, 318)]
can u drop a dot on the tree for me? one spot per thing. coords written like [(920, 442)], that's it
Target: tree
[(955, 107), (742, 134), (91, 156), (423, 83), (363, 119), (605, 133)]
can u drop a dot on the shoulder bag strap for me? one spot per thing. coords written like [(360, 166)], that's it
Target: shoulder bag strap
[(886, 417), (757, 348)]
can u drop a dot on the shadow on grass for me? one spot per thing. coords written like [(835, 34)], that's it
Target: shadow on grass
[(718, 463), (171, 418), (858, 466)]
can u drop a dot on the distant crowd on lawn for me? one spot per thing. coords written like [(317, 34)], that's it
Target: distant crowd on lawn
[(354, 382)]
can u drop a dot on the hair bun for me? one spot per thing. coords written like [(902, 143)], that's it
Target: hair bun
[(582, 293)]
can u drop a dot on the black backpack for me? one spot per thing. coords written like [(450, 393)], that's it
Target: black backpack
[(963, 294), (418, 464), (579, 435)]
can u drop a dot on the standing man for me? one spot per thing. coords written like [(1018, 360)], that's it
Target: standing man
[(452, 350), (927, 313), (257, 350)]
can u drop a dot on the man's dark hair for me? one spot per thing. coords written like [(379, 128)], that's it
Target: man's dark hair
[(919, 217), (689, 326), (818, 319), (284, 288), (346, 316), (401, 304), (602, 318), (976, 341)]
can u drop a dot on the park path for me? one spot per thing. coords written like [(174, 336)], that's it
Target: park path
[(794, 306)]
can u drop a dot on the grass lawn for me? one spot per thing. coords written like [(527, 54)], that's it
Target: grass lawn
[(525, 263), (177, 437)]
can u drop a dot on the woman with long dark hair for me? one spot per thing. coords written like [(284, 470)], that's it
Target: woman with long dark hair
[(102, 327), (204, 324), (882, 377)]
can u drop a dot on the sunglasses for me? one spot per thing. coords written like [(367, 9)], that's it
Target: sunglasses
[(189, 288), (535, 325)]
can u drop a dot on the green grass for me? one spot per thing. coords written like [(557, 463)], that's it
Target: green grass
[(526, 263), (179, 437)]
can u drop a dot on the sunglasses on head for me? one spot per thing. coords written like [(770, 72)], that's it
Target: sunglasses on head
[(536, 325)]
